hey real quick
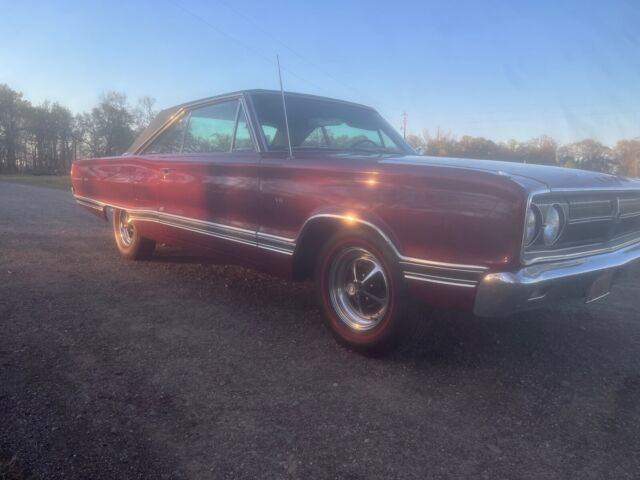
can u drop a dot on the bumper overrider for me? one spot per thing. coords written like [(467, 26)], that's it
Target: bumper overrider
[(589, 278)]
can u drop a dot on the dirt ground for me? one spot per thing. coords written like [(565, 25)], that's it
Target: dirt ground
[(175, 368)]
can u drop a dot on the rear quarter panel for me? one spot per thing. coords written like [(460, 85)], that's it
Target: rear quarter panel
[(127, 181)]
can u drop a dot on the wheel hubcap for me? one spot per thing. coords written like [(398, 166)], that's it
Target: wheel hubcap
[(126, 228), (359, 289)]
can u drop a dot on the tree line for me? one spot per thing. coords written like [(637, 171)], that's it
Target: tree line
[(47, 138), (621, 159)]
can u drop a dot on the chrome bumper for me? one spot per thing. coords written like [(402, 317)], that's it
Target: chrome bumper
[(501, 294)]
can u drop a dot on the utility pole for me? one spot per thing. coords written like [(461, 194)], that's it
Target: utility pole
[(404, 125)]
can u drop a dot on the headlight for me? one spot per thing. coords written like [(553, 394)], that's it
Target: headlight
[(553, 223), (532, 225)]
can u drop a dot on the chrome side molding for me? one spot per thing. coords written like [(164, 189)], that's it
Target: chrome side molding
[(415, 269)]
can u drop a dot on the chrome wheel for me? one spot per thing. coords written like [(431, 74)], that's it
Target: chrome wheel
[(126, 228), (358, 288)]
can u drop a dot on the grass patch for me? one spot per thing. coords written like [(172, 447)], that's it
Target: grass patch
[(61, 182)]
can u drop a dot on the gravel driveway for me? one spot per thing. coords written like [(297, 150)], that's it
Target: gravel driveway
[(178, 368)]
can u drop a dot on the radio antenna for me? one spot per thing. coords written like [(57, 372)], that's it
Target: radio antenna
[(284, 109)]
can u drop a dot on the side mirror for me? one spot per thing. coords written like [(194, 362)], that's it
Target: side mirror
[(419, 151)]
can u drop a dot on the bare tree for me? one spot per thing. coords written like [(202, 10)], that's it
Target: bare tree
[(108, 129), (627, 153), (12, 127), (144, 113), (587, 154)]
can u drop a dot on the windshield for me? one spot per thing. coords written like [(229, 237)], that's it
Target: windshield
[(324, 124)]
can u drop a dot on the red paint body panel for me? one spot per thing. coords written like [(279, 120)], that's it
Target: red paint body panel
[(428, 212)]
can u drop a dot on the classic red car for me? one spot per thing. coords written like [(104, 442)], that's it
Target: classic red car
[(337, 195)]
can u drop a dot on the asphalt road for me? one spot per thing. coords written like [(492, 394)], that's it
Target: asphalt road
[(174, 368)]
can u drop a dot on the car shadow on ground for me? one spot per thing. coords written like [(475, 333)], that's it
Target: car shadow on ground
[(435, 336)]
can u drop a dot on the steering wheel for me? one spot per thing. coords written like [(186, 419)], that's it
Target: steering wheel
[(363, 141)]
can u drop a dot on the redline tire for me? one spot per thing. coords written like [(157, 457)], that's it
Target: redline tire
[(128, 240), (348, 303)]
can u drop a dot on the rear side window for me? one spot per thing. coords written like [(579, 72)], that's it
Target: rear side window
[(211, 128), (171, 139), (221, 127)]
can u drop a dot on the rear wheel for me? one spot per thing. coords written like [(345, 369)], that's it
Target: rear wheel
[(361, 292), (128, 240)]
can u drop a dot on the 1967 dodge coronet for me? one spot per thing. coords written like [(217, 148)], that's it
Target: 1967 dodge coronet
[(335, 194)]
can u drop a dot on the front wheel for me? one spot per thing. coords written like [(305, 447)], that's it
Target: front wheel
[(128, 239), (361, 292)]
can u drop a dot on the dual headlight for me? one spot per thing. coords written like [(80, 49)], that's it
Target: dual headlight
[(544, 223)]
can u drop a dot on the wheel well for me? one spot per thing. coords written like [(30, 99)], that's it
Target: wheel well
[(314, 237)]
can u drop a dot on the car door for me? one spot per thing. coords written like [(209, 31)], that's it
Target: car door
[(208, 190), (313, 180)]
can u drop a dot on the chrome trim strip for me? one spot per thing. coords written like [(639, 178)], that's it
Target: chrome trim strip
[(275, 249), (217, 230), (439, 280), (440, 267), (89, 205), (211, 229), (273, 242), (580, 254), (206, 224), (591, 202), (287, 246), (634, 189), (88, 200), (578, 221), (385, 237), (195, 230), (276, 237)]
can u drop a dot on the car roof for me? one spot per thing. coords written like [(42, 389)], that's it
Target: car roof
[(167, 114), (263, 91)]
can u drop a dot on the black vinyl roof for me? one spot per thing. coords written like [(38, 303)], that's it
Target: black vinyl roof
[(168, 114)]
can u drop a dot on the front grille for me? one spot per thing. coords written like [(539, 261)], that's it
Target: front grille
[(594, 221), (585, 208), (630, 206)]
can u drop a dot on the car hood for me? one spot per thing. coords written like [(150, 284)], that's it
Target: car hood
[(554, 178)]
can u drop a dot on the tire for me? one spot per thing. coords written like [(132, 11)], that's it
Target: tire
[(361, 291), (128, 240)]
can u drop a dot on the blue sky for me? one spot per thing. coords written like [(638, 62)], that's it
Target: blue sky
[(499, 69)]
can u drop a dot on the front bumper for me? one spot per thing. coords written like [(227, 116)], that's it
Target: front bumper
[(500, 294)]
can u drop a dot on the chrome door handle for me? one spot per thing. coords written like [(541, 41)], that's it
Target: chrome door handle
[(167, 170)]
